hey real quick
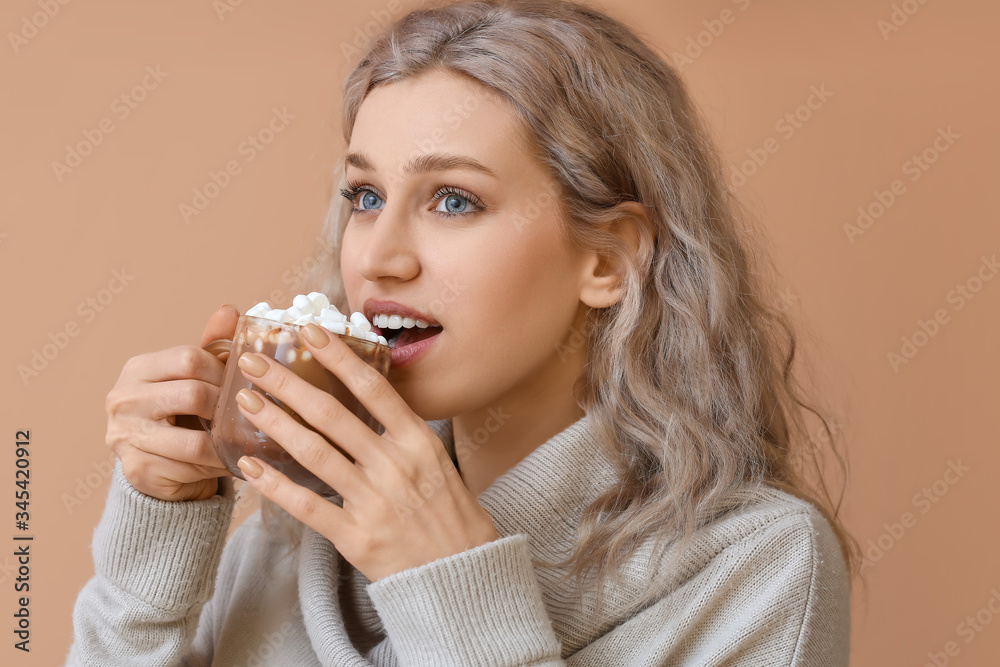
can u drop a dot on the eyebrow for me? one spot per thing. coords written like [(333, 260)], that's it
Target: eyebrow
[(424, 163)]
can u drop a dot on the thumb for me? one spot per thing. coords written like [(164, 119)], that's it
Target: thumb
[(222, 324)]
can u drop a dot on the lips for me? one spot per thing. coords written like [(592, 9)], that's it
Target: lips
[(409, 336), (405, 336), (408, 353)]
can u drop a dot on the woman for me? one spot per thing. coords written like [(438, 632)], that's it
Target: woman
[(592, 463)]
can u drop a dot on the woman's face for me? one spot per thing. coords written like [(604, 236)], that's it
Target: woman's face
[(497, 273)]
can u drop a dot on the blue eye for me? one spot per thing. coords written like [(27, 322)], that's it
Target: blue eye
[(454, 201), (457, 202), (454, 204), (363, 196), (369, 201)]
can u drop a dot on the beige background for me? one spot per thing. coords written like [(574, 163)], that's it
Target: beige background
[(63, 236)]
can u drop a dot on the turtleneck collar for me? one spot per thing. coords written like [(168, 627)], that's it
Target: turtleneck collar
[(542, 496)]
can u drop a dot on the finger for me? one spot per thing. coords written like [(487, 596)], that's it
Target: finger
[(180, 362), (310, 508), (222, 324), (175, 397), (154, 471), (307, 447), (318, 408), (369, 386), (182, 445)]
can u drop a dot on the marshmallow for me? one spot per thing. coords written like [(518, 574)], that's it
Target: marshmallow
[(304, 303), (332, 314), (315, 308), (335, 327), (359, 320), (260, 310), (319, 301), (278, 315)]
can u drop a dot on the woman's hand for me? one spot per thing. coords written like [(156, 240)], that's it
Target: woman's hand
[(153, 394), (405, 503)]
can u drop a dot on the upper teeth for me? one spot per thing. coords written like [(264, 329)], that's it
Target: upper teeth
[(383, 321)]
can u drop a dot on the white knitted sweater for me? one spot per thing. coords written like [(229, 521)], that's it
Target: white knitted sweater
[(763, 586)]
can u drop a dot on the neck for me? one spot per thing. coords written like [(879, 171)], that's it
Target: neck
[(493, 439)]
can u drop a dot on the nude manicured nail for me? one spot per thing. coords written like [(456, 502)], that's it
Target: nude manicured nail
[(316, 336), (253, 364), (250, 467), (249, 401)]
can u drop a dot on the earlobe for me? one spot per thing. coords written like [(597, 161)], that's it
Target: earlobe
[(604, 270)]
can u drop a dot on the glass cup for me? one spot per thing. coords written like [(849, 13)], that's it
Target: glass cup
[(234, 436)]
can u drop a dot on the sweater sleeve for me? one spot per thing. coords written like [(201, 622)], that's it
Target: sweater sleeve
[(777, 597), (451, 611), (155, 564)]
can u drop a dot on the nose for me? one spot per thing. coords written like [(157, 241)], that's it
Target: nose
[(386, 249)]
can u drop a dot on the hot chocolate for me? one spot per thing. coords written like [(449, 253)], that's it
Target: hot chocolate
[(234, 436)]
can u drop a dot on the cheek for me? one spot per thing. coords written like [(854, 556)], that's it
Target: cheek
[(348, 269), (523, 287)]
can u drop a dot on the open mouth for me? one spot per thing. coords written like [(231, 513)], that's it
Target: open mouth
[(402, 337)]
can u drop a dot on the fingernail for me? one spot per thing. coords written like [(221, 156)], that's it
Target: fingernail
[(253, 364), (250, 467), (249, 401), (316, 336)]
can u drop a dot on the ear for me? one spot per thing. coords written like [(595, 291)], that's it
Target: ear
[(603, 272)]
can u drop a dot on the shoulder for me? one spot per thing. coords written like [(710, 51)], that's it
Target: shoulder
[(772, 530), (762, 584), (774, 520), (776, 559)]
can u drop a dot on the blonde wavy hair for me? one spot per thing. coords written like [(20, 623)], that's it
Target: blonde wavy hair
[(688, 382)]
